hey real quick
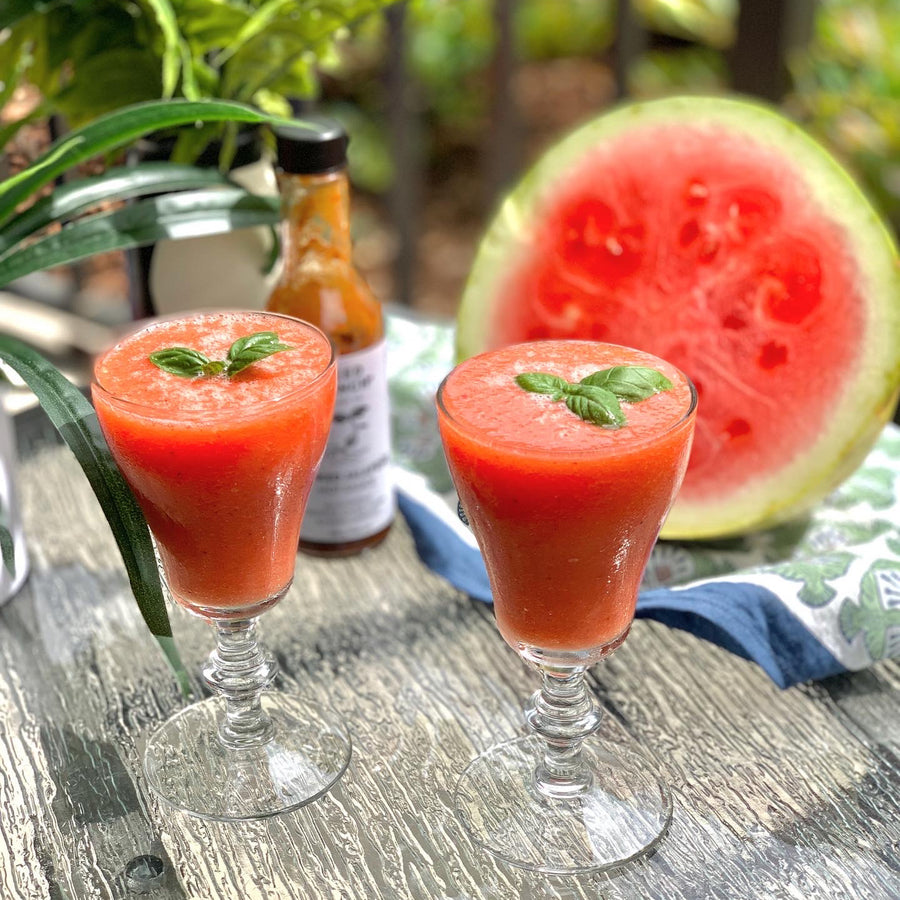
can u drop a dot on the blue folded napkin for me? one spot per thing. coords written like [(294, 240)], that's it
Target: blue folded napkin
[(804, 601)]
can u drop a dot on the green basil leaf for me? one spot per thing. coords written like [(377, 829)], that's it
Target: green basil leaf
[(250, 349), (595, 404), (630, 383), (180, 361), (596, 397), (542, 383)]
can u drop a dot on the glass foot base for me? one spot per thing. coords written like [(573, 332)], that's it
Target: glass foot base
[(623, 815), (188, 766)]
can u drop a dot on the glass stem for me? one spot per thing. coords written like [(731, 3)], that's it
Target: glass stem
[(563, 714), (239, 670)]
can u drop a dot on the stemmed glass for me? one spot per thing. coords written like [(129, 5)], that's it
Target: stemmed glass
[(222, 468), (566, 513)]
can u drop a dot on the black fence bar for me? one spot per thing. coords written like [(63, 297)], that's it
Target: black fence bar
[(767, 32), (404, 196), (503, 150)]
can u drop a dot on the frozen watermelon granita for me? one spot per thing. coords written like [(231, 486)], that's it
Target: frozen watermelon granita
[(716, 235)]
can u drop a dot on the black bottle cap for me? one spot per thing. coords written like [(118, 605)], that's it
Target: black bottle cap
[(308, 149)]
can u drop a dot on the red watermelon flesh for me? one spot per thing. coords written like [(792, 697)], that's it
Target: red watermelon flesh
[(702, 247)]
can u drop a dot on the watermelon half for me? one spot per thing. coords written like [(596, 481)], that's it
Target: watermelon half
[(714, 233)]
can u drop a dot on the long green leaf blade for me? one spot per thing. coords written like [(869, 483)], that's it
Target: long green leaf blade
[(74, 418), (255, 25), (113, 131), (7, 551), (13, 10), (188, 214), (172, 42), (123, 183)]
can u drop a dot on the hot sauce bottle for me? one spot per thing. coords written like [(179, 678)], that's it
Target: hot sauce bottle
[(351, 506)]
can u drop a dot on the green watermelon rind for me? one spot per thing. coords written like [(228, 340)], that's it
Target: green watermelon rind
[(872, 391)]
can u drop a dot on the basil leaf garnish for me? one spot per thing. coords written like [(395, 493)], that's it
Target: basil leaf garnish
[(630, 383), (180, 361), (188, 363), (542, 383), (596, 405), (250, 349), (596, 398)]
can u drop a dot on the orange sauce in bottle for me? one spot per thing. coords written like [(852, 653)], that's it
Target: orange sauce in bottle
[(352, 503)]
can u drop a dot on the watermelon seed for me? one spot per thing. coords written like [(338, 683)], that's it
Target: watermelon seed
[(689, 233), (772, 354), (738, 428), (734, 321)]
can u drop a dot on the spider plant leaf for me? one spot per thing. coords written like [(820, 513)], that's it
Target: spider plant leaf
[(123, 183), (174, 216), (74, 418)]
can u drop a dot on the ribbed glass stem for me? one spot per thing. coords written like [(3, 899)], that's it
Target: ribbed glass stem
[(563, 713), (239, 670)]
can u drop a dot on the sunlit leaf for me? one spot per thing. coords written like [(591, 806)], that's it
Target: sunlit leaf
[(187, 214)]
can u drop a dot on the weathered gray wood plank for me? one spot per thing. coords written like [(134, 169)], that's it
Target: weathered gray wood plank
[(778, 794)]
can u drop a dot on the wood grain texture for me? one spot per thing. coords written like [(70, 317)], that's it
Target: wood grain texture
[(789, 794)]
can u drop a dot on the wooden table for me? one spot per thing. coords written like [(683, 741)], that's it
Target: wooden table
[(791, 794)]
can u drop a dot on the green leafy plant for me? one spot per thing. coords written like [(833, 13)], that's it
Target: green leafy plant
[(90, 57), (193, 202), (847, 90), (29, 240)]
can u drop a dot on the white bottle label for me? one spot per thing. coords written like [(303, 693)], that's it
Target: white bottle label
[(353, 497)]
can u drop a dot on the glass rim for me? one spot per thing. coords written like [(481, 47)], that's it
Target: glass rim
[(521, 448), (157, 412)]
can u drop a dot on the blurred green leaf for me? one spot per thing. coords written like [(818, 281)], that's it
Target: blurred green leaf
[(172, 51), (847, 92), (15, 10), (88, 96), (90, 56)]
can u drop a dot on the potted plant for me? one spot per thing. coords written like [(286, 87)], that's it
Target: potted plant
[(168, 200), (90, 58)]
